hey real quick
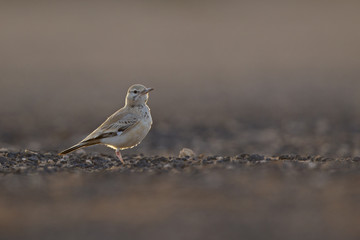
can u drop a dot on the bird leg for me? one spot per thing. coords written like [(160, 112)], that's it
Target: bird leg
[(118, 154)]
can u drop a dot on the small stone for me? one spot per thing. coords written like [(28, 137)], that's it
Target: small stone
[(243, 155), (162, 159), (89, 162), (33, 158), (30, 152), (167, 166), (186, 152), (11, 155), (302, 158), (2, 160), (256, 157), (286, 157), (61, 161), (50, 161), (318, 158), (80, 151)]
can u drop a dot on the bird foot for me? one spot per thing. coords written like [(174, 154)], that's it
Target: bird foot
[(118, 154)]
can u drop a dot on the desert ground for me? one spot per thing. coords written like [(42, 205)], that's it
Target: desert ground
[(266, 95)]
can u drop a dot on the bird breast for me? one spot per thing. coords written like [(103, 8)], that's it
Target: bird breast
[(133, 136)]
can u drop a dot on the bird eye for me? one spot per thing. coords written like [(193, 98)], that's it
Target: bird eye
[(135, 91)]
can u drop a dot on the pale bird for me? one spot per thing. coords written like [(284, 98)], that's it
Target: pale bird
[(126, 128)]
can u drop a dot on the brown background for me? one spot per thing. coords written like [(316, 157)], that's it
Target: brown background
[(230, 76)]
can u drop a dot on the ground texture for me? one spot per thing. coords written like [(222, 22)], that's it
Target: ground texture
[(248, 196)]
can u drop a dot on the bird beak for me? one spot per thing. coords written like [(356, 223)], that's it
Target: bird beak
[(146, 91)]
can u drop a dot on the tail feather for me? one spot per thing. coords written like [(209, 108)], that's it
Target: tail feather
[(77, 146)]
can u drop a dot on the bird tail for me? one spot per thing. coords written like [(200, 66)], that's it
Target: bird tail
[(77, 146)]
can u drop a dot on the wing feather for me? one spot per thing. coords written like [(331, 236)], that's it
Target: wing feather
[(120, 121)]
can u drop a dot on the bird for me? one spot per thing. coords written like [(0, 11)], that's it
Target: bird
[(124, 129)]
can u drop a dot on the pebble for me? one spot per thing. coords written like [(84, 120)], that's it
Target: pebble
[(287, 157), (61, 161), (186, 153), (33, 158), (167, 166), (2, 160), (89, 162), (80, 151), (11, 155), (256, 157)]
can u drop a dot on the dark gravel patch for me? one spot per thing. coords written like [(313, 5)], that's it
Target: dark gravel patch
[(37, 162)]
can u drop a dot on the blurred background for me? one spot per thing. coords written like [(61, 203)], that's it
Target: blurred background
[(230, 77), (270, 77)]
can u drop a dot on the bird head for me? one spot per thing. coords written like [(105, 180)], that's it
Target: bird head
[(137, 95)]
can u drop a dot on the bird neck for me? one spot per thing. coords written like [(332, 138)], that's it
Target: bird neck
[(136, 105)]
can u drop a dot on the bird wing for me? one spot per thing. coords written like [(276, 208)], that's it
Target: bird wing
[(115, 125)]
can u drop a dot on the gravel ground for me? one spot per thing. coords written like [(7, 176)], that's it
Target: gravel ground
[(249, 196)]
